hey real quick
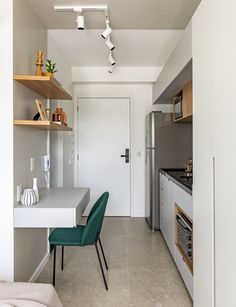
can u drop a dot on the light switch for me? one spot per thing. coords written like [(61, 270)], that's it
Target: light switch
[(32, 164)]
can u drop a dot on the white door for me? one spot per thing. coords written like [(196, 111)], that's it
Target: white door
[(103, 136)]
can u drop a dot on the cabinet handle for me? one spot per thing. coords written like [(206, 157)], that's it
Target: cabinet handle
[(214, 225)]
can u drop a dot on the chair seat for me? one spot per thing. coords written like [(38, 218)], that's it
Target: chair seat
[(67, 236)]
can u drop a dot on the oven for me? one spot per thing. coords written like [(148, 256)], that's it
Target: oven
[(184, 236)]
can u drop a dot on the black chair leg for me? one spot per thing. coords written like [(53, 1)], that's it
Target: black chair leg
[(54, 265), (62, 257), (99, 259), (103, 254)]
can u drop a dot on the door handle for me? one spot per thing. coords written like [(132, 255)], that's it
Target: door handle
[(126, 155)]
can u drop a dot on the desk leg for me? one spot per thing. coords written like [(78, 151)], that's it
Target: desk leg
[(62, 257), (54, 265)]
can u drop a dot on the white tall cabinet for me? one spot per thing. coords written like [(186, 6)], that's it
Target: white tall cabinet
[(214, 153)]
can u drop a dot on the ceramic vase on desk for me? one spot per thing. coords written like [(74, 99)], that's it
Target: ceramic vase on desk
[(35, 189), (28, 197)]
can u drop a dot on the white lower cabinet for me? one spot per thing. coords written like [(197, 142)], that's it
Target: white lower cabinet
[(171, 194), (184, 271), (167, 212)]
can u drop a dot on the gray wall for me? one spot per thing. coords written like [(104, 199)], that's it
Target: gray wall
[(29, 36), (62, 155)]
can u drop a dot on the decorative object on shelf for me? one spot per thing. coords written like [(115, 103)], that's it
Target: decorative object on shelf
[(28, 197), (39, 63), (48, 113), (50, 68), (59, 116), (35, 189), (41, 110), (36, 116)]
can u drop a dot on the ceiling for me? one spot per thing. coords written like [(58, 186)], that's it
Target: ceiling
[(145, 32), (124, 14), (133, 47)]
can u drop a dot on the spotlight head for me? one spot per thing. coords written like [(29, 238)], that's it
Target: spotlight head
[(111, 59), (111, 69), (109, 44), (107, 32), (80, 20)]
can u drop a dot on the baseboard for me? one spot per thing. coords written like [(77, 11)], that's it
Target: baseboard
[(40, 268), (138, 214)]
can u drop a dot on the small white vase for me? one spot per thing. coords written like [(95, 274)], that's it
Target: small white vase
[(28, 197), (35, 188)]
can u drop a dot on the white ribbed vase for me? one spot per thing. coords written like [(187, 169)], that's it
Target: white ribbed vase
[(28, 197), (35, 188)]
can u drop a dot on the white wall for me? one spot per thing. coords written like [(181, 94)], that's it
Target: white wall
[(6, 136), (29, 37), (214, 108), (178, 59), (141, 104)]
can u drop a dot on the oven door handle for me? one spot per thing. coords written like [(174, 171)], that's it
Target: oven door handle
[(182, 223)]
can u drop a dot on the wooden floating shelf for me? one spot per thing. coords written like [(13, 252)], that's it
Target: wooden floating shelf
[(41, 124), (45, 86)]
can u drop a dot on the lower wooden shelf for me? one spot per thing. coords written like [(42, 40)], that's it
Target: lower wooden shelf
[(41, 124)]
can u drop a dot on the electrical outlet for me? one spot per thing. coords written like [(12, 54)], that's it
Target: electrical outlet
[(19, 190)]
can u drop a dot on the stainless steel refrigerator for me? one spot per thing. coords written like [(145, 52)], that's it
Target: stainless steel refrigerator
[(168, 145)]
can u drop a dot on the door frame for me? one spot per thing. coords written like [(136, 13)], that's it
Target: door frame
[(104, 95)]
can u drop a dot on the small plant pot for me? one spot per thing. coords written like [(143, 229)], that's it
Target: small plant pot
[(49, 74)]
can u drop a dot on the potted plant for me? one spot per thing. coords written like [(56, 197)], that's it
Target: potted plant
[(50, 68)]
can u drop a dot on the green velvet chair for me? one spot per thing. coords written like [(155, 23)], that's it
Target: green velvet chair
[(82, 235)]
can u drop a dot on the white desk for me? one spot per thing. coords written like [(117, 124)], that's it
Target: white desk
[(58, 207)]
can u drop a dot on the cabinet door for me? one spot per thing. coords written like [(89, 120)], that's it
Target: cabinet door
[(161, 202), (184, 271), (187, 100), (164, 206), (171, 218), (214, 111), (167, 212)]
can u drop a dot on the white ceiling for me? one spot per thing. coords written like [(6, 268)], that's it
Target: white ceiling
[(144, 31), (124, 14), (133, 47)]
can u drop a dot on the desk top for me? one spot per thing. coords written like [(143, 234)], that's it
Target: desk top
[(58, 207), (58, 198)]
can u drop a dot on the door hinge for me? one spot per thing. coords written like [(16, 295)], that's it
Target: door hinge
[(77, 108), (77, 156)]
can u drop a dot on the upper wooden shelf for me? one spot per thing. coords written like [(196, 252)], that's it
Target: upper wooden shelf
[(44, 85), (42, 124)]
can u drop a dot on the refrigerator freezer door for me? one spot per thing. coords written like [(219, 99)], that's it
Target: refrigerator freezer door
[(150, 130)]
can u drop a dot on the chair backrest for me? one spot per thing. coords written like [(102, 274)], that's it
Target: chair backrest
[(95, 219)]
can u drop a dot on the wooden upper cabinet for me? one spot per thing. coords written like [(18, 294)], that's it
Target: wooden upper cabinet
[(187, 103), (187, 100)]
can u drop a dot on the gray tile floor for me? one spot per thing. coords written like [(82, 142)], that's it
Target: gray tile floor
[(141, 270)]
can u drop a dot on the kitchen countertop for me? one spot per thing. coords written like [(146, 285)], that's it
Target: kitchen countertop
[(179, 177)]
